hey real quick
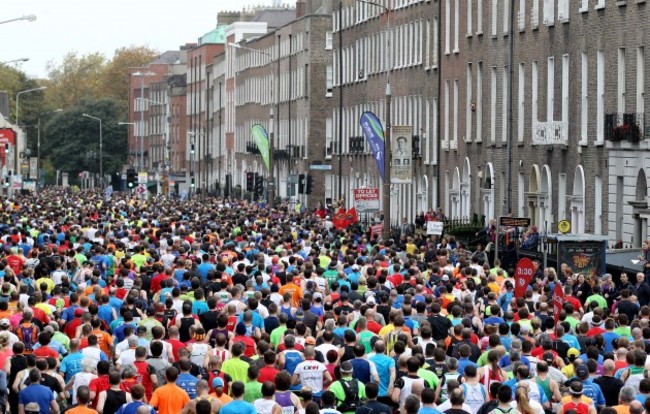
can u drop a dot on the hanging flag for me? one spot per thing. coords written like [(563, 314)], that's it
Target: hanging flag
[(261, 139), (374, 133), (523, 276), (109, 192), (339, 219), (558, 301), (351, 216)]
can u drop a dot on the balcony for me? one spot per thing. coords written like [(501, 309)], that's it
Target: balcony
[(251, 148), (624, 127), (279, 154), (551, 133), (415, 147), (296, 151), (356, 145)]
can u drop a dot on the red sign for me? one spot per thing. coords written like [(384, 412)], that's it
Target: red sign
[(558, 301), (366, 200), (7, 136), (523, 276), (377, 229)]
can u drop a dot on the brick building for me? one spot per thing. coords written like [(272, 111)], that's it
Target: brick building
[(368, 59)]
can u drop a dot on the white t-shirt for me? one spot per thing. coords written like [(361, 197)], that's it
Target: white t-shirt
[(311, 374)]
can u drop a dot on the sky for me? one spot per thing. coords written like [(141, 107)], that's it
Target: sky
[(103, 26)]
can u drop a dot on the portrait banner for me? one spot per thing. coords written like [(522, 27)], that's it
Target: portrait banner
[(401, 168)]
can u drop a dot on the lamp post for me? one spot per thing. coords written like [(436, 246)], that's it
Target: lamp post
[(142, 75), (101, 144), (28, 17), (14, 61), (272, 114), (18, 119), (38, 145), (387, 143)]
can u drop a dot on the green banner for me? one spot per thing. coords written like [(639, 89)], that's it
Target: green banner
[(262, 141)]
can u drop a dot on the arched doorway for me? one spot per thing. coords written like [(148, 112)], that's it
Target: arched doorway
[(640, 203), (454, 195), (466, 191), (545, 199), (487, 193), (533, 194), (578, 201)]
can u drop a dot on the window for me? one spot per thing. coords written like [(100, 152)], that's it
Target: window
[(565, 89), (468, 104), (600, 5), (584, 6), (493, 104), (600, 96), (549, 12), (520, 103), (329, 40), (584, 100), (456, 110), (495, 9), (563, 10), (427, 44), (534, 91), (534, 16), (506, 16), (550, 89), (479, 17), (469, 17), (447, 100), (329, 76), (620, 95), (436, 31), (447, 26), (479, 102), (522, 15), (640, 80), (505, 78), (456, 25)]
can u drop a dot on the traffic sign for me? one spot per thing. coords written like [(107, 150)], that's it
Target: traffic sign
[(564, 226), (514, 221)]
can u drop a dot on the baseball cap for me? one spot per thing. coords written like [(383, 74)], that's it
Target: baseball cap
[(5, 322), (572, 352), (310, 340), (445, 278), (318, 296), (371, 300), (582, 372), (78, 312), (217, 382)]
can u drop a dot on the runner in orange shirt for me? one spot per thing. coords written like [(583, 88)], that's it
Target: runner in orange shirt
[(295, 290)]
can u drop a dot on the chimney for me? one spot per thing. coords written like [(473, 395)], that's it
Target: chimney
[(301, 7)]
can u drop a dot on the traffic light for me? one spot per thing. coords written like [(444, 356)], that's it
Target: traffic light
[(130, 177), (310, 183), (259, 185), (192, 148), (250, 182), (301, 184), (192, 183)]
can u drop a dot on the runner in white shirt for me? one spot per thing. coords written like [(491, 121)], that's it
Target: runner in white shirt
[(311, 373)]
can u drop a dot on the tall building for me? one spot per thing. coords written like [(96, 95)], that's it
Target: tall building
[(373, 44)]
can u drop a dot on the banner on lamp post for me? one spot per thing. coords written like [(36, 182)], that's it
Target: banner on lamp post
[(374, 133), (401, 169), (261, 139), (523, 276)]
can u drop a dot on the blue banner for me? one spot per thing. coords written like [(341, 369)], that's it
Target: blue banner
[(374, 133)]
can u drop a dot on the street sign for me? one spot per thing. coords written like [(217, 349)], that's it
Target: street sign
[(514, 221), (320, 167), (366, 200)]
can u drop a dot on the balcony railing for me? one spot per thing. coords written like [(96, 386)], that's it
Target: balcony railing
[(356, 145), (624, 127), (251, 148), (550, 133)]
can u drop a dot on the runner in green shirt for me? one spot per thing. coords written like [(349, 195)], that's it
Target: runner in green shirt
[(235, 367)]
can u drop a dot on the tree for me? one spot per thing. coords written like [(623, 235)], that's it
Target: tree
[(115, 77), (76, 78), (72, 141), (13, 81)]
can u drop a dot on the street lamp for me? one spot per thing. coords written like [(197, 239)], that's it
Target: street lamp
[(14, 61), (101, 143), (17, 118), (38, 144), (28, 17), (142, 75), (271, 179), (388, 102)]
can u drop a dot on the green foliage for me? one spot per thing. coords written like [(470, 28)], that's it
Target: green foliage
[(71, 141)]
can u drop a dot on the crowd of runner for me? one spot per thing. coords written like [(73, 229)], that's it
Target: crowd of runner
[(120, 305)]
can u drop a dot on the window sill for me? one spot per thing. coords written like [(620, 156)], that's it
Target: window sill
[(468, 35), (564, 21), (640, 1), (585, 10), (456, 51), (599, 7), (599, 143), (621, 3), (479, 33), (583, 143)]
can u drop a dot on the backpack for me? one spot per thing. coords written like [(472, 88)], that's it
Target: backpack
[(28, 335), (352, 400)]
